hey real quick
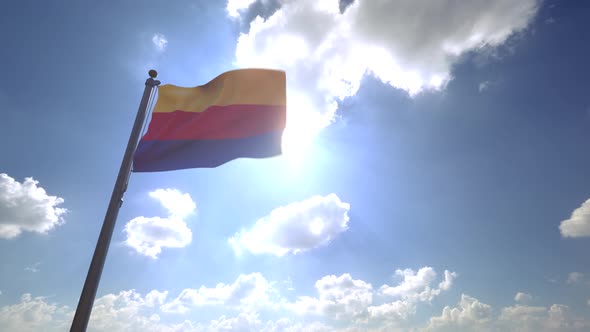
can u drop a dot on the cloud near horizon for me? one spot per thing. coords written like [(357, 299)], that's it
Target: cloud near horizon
[(253, 303)]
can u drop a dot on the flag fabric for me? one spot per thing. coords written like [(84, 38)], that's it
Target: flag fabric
[(239, 114)]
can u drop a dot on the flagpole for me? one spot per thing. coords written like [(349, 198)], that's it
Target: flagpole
[(86, 301)]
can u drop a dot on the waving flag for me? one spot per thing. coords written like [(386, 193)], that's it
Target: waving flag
[(239, 114)]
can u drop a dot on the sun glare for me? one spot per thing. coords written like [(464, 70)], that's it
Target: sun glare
[(303, 125)]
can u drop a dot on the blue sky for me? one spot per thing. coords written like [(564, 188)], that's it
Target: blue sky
[(434, 174)]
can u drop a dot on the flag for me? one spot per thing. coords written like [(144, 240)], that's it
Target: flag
[(239, 114)]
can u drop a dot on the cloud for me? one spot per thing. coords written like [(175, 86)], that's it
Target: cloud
[(470, 314), (416, 286), (296, 227), (348, 299), (578, 225), (246, 292), (234, 7), (393, 311), (484, 85), (251, 303), (31, 314), (179, 205), (407, 44), (33, 268), (522, 312), (148, 235), (575, 277), (522, 297), (339, 297), (126, 311), (25, 207), (160, 41)]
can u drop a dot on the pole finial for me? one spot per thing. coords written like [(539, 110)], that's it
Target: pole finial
[(153, 73)]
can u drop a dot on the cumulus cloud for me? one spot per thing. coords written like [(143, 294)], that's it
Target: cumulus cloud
[(396, 311), (339, 297), (26, 207), (127, 311), (522, 312), (353, 300), (522, 297), (417, 286), (148, 235), (32, 314), (250, 303), (246, 292), (159, 41), (578, 225), (408, 44), (470, 313), (234, 7), (296, 227)]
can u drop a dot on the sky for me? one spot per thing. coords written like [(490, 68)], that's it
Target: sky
[(433, 175)]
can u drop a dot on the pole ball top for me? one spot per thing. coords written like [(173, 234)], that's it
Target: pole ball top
[(153, 73)]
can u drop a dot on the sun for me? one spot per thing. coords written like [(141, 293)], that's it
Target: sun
[(303, 124)]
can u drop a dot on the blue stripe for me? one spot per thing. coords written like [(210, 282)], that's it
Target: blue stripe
[(157, 156)]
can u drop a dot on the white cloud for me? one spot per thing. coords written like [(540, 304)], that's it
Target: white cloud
[(33, 268), (528, 318), (179, 205), (575, 277), (408, 44), (296, 227), (243, 322), (469, 315), (473, 315), (126, 311), (416, 286), (247, 292), (522, 297), (234, 7), (27, 207), (148, 235), (155, 298), (339, 297), (578, 224), (31, 314), (522, 312), (394, 311), (484, 86), (250, 303), (160, 41), (345, 298)]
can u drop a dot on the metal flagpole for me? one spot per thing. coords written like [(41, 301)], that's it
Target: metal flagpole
[(86, 301)]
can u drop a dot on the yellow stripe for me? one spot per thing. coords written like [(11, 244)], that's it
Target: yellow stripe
[(242, 86)]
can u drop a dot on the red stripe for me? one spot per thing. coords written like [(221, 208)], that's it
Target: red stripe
[(217, 122)]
